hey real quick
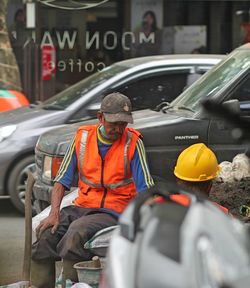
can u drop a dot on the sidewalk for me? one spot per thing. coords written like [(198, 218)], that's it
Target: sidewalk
[(11, 243)]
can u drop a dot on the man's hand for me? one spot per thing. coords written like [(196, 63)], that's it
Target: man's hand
[(54, 216), (51, 221)]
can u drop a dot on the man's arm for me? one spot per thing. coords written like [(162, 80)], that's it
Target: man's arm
[(139, 167), (54, 215), (67, 170), (63, 181)]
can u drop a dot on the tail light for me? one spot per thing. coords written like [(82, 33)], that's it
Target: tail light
[(50, 168), (56, 163)]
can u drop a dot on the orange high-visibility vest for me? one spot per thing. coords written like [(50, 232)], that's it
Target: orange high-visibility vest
[(185, 201), (105, 183)]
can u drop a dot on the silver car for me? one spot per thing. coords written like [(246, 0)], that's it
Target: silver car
[(148, 81)]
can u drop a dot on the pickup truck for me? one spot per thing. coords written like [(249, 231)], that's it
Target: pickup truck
[(171, 127)]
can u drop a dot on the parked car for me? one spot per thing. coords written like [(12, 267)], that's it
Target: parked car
[(147, 81), (12, 99), (170, 129)]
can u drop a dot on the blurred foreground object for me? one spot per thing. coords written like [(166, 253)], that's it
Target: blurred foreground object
[(170, 245)]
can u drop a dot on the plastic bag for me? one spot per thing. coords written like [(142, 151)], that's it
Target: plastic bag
[(99, 243), (66, 201), (80, 285), (236, 170), (226, 173), (241, 167)]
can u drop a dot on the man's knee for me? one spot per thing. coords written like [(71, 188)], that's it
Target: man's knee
[(47, 238), (45, 246), (71, 246), (75, 235)]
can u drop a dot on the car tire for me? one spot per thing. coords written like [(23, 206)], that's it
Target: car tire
[(17, 180), (40, 205)]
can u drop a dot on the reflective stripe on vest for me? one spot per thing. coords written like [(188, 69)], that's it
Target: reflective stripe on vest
[(126, 168), (128, 140), (83, 146)]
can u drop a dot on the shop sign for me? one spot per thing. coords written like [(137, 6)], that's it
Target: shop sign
[(183, 39), (48, 62), (73, 5)]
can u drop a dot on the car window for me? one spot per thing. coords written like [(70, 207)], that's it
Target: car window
[(88, 111), (217, 79), (73, 93), (152, 90), (242, 93), (148, 92)]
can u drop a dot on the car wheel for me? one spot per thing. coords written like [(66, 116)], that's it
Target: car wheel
[(40, 205), (17, 181)]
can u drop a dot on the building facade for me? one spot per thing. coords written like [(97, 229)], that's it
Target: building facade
[(66, 45)]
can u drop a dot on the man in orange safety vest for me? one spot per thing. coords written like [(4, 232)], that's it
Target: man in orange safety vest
[(110, 161)]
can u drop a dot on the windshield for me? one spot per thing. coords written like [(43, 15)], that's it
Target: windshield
[(215, 80), (65, 98)]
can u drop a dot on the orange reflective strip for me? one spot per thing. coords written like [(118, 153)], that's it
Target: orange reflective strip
[(181, 199), (224, 209)]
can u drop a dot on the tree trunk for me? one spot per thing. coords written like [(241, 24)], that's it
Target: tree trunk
[(9, 72)]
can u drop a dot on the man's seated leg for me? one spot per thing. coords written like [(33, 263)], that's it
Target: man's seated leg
[(69, 272), (44, 253), (43, 260), (43, 273), (71, 246)]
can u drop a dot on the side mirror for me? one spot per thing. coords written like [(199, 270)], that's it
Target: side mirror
[(92, 109), (232, 106)]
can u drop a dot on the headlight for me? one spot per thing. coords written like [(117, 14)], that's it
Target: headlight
[(51, 166), (6, 131), (47, 163)]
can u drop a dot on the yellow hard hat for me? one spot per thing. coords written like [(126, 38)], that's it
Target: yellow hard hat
[(197, 163)]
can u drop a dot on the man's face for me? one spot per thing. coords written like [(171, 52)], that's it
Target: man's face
[(113, 130)]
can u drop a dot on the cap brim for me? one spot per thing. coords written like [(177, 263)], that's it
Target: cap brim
[(119, 117)]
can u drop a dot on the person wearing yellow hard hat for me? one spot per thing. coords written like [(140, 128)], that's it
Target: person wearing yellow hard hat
[(195, 169)]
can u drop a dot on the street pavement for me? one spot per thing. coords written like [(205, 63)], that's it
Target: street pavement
[(12, 231)]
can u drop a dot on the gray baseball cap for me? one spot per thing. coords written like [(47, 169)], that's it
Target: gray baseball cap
[(117, 108)]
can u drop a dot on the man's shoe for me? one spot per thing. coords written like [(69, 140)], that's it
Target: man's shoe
[(69, 272)]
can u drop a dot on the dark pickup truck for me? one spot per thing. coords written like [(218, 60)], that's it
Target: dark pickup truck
[(171, 128)]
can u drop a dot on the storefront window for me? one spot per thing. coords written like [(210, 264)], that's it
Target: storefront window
[(67, 45)]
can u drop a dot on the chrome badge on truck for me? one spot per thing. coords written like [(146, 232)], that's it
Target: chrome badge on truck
[(186, 137)]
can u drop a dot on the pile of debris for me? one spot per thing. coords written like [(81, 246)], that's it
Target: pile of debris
[(232, 186)]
